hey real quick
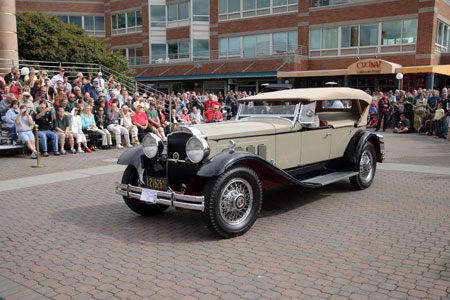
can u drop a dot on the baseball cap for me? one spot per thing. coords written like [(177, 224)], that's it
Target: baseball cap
[(100, 74), (61, 70), (42, 95), (152, 103), (95, 81), (216, 106), (26, 94), (139, 105)]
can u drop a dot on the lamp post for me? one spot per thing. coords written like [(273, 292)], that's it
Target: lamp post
[(36, 138)]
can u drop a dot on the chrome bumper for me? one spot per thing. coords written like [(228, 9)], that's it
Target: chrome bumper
[(164, 198)]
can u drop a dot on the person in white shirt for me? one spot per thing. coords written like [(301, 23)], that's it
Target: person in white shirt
[(195, 116), (59, 76), (101, 81), (77, 132)]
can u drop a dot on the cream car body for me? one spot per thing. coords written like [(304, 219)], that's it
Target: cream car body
[(308, 137)]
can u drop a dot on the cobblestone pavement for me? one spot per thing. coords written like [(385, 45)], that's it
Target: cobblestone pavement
[(76, 239)]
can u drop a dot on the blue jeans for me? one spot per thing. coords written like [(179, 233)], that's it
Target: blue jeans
[(445, 128), (438, 124), (13, 133), (43, 135)]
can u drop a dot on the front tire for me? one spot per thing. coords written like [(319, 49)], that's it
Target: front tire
[(366, 167), (130, 176), (232, 202)]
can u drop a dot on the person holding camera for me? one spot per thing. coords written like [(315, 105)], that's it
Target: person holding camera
[(44, 119), (24, 128), (213, 115), (10, 118)]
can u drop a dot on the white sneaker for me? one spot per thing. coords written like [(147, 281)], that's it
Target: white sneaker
[(73, 151), (63, 152), (129, 146), (118, 146), (34, 154), (80, 150), (14, 143)]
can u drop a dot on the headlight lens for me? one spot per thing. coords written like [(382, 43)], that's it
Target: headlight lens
[(151, 145), (197, 149)]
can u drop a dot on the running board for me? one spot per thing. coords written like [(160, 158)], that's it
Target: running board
[(329, 178)]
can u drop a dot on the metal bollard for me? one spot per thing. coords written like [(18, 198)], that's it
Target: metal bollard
[(36, 138)]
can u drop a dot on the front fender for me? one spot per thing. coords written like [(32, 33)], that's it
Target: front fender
[(220, 163), (134, 157)]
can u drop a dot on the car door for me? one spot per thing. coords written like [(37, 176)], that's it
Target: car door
[(339, 140), (315, 145)]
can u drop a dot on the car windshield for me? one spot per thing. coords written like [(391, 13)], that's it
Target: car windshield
[(275, 108)]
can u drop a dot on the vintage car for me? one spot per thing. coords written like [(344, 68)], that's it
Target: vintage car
[(306, 137)]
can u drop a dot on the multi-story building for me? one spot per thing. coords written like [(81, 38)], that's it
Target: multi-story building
[(218, 45)]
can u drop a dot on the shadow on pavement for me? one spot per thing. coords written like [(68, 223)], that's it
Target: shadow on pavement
[(117, 221)]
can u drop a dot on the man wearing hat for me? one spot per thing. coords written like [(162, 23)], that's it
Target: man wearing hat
[(26, 100), (214, 115), (100, 80), (57, 77)]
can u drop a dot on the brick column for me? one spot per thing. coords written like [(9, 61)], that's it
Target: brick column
[(9, 54)]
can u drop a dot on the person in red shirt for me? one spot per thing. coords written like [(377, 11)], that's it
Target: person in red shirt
[(185, 116), (140, 119), (213, 115), (210, 103)]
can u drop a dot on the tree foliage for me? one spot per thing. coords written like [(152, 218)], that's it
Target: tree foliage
[(46, 38)]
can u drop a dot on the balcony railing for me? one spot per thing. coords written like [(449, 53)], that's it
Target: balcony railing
[(248, 53), (322, 3)]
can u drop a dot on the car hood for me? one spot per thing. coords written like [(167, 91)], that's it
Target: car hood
[(243, 128)]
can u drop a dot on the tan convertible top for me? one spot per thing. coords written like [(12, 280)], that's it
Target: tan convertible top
[(313, 94)]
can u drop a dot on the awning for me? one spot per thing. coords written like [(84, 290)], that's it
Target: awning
[(315, 73), (437, 69), (208, 76)]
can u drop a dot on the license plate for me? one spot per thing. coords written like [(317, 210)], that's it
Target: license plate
[(156, 183)]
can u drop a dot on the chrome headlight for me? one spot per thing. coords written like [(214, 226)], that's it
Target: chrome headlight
[(152, 145), (197, 149)]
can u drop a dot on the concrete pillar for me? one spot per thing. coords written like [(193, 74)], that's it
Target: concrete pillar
[(430, 81), (9, 55), (346, 81)]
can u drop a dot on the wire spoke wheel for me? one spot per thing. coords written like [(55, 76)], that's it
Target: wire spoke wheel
[(366, 166), (236, 201)]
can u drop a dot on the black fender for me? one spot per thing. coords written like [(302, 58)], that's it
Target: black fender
[(134, 157), (356, 145), (222, 162)]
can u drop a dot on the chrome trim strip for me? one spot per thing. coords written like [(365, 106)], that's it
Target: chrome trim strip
[(165, 198)]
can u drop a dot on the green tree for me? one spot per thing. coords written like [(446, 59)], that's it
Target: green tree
[(46, 38)]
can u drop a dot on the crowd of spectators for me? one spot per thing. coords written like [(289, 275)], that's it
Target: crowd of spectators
[(417, 111), (80, 114)]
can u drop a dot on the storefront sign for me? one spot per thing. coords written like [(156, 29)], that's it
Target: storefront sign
[(368, 67), (372, 66)]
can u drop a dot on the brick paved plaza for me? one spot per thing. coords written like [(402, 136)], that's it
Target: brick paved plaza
[(65, 234)]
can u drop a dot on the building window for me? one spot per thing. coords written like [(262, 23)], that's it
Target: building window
[(330, 38), (127, 22), (158, 15), (235, 9), (133, 54), (442, 35), (200, 10), (391, 33), (230, 46), (178, 50), (409, 35), (200, 49), (349, 36), (158, 53), (368, 35), (284, 41), (94, 25), (178, 11), (377, 38)]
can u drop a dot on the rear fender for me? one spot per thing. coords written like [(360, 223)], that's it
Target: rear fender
[(356, 145)]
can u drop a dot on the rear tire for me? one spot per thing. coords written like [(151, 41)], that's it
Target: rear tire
[(366, 167), (130, 176), (232, 202)]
